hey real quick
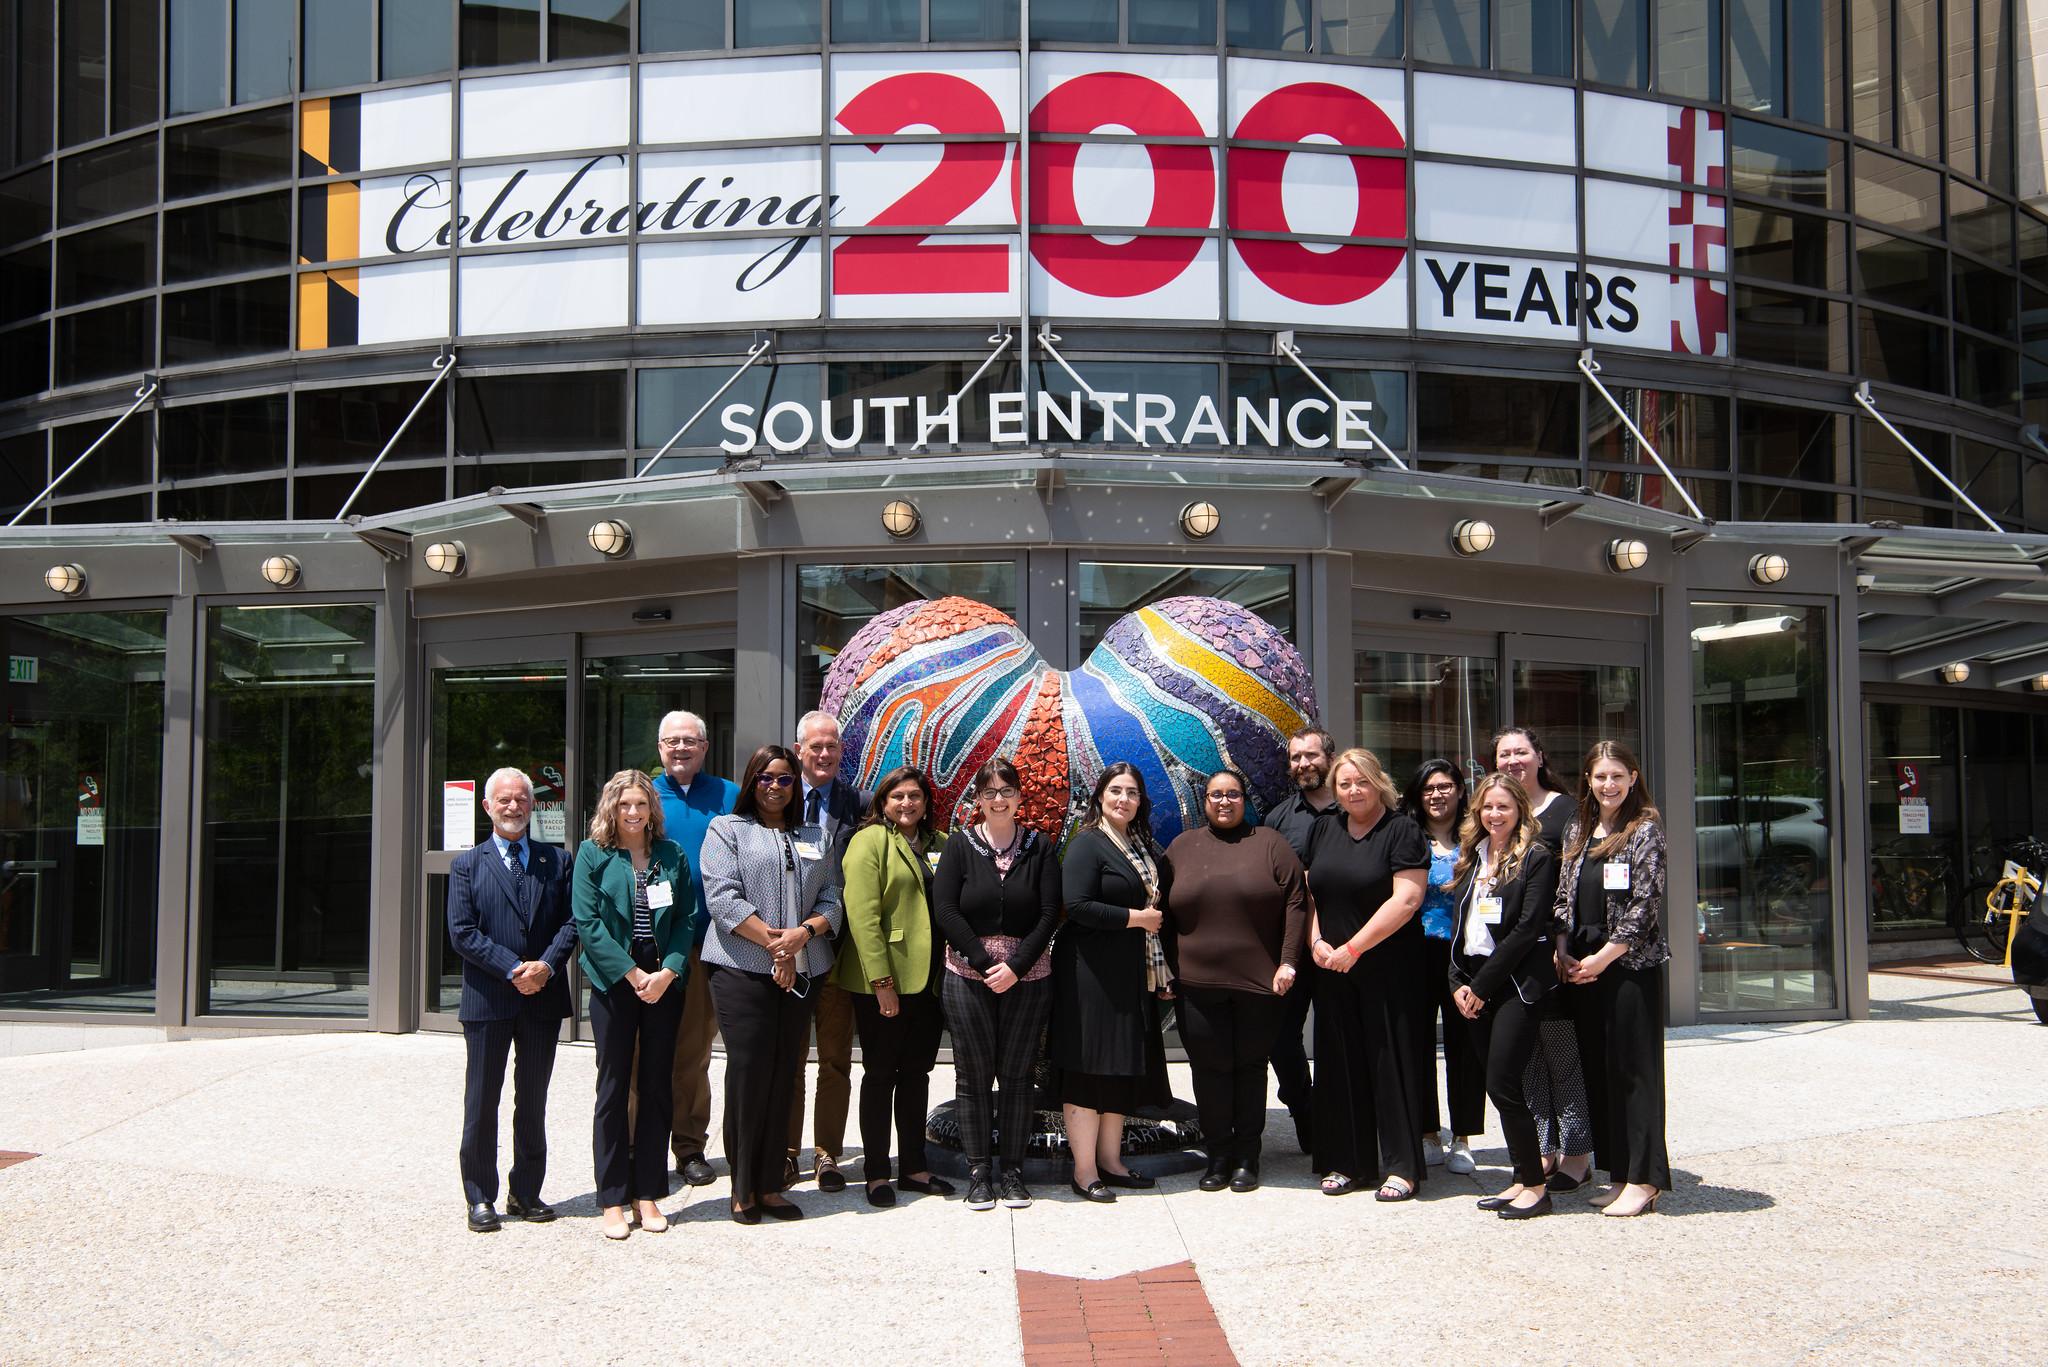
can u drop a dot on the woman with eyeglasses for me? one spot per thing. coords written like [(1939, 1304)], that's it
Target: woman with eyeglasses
[(1367, 871), (635, 939), (1435, 801), (1612, 950), (996, 899), (888, 968), (1109, 974), (1236, 923), (774, 906), (1556, 1084)]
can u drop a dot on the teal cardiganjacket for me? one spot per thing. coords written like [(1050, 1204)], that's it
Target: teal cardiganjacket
[(601, 899)]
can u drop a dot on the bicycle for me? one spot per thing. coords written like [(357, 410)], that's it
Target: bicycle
[(1911, 884), (1991, 910)]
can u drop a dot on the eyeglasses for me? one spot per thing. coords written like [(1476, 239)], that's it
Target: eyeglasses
[(1002, 794), (775, 780), (1440, 790), (1226, 797), (681, 742)]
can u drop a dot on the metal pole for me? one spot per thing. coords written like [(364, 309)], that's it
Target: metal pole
[(1283, 342), (1862, 397), (142, 394), (1591, 369), (754, 353), (1046, 338), (1001, 342), (444, 366)]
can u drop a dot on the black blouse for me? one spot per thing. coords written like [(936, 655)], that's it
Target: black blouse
[(1352, 878), (1552, 821), (971, 899)]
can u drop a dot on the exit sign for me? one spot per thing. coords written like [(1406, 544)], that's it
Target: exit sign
[(22, 669)]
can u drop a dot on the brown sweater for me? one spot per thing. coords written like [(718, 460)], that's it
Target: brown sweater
[(1238, 908)]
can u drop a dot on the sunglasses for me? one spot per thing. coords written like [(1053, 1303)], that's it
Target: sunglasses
[(775, 780)]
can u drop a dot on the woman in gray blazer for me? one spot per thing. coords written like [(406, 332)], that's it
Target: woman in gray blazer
[(774, 906)]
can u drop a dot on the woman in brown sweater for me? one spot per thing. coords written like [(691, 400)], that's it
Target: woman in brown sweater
[(1236, 920)]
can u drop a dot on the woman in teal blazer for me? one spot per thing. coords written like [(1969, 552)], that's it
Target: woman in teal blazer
[(630, 895), (888, 965)]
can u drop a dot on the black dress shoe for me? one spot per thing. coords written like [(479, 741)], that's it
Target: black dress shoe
[(881, 1194), (1495, 1202), (483, 1219), (1130, 1181), (1094, 1191), (934, 1185), (695, 1171), (746, 1215), (788, 1210), (1542, 1207), (1216, 1178), (534, 1212), (1246, 1178)]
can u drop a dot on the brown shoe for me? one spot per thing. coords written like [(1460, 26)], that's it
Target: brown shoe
[(829, 1176)]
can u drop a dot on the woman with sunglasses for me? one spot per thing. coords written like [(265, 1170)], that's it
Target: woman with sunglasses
[(888, 970), (1435, 801), (1236, 925), (996, 898), (774, 905)]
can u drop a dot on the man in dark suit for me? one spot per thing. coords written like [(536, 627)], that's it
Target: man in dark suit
[(508, 917), (830, 812)]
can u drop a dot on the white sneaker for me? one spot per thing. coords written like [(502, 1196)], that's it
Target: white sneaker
[(1459, 1159), (1433, 1150)]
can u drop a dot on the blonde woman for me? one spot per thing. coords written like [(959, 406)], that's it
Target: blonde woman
[(636, 951), (1502, 889), (1368, 871)]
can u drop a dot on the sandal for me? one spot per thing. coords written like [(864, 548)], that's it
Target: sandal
[(1395, 1189), (1337, 1184)]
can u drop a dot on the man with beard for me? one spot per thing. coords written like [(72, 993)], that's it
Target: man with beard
[(1296, 816)]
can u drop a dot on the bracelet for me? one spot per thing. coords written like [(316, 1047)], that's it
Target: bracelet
[(809, 930), (880, 983)]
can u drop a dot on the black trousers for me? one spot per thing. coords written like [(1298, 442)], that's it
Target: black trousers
[(1628, 1105), (1368, 1093), (530, 1039), (1229, 1036), (1290, 1056), (767, 1032), (896, 1057), (996, 1037), (629, 1148), (1464, 1074), (1505, 1037)]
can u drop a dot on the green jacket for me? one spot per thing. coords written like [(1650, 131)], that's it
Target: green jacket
[(601, 899), (888, 913)]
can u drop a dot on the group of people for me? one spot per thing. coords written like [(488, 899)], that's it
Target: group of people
[(1530, 922)]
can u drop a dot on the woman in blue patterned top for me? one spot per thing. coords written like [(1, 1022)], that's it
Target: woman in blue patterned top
[(1436, 800)]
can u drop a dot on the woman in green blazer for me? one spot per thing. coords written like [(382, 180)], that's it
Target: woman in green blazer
[(888, 963), (630, 895)]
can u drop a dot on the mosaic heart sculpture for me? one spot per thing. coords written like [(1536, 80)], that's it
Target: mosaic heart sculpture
[(1179, 689)]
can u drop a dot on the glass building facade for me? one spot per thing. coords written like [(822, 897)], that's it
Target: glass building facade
[(1729, 277)]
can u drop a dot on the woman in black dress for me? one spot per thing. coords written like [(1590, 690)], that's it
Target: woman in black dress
[(1109, 974), (1367, 873), (1610, 924)]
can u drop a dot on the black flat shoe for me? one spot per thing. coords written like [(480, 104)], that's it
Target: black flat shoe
[(1216, 1178), (1495, 1202), (1095, 1191), (746, 1215), (483, 1219), (1564, 1181), (934, 1185), (788, 1210), (1542, 1207), (534, 1212), (1130, 1181), (881, 1194), (1246, 1178)]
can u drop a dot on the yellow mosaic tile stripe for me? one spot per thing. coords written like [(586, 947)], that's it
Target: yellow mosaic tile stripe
[(1227, 676)]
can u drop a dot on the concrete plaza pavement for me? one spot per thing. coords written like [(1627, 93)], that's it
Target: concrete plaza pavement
[(1856, 1192)]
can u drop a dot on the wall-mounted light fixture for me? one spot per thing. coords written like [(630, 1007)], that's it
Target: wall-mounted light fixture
[(901, 519), (1473, 537), (611, 538), (1956, 672), (1199, 521), (2039, 683), (447, 557), (283, 571), (1625, 556), (68, 580), (1769, 568)]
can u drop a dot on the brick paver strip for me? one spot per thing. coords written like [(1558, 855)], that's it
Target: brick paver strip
[(9, 1157), (1161, 1315)]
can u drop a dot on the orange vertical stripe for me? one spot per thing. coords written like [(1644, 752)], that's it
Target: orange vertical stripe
[(344, 222), (313, 311), (315, 130)]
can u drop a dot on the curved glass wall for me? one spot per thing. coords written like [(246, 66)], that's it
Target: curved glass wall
[(217, 190)]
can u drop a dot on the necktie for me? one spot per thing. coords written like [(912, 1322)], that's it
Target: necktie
[(811, 802), (516, 861)]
